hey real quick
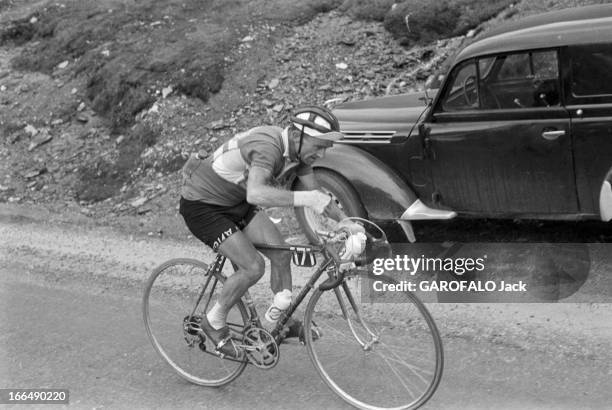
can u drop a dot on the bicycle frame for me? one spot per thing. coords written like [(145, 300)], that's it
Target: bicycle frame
[(330, 259)]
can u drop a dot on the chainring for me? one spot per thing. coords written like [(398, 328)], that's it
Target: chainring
[(261, 348)]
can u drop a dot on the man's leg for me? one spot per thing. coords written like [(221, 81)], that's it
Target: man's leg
[(262, 230), (240, 250)]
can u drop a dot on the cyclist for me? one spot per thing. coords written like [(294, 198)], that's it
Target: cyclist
[(221, 198)]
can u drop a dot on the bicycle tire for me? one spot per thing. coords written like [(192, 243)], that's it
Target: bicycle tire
[(169, 299), (401, 371)]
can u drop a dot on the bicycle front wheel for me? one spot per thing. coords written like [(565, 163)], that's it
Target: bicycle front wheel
[(177, 295), (374, 350)]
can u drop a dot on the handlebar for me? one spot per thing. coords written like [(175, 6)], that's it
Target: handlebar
[(328, 238), (333, 236)]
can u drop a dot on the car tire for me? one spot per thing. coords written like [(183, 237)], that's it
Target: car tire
[(343, 193)]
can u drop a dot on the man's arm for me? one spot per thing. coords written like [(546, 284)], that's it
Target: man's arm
[(261, 194)]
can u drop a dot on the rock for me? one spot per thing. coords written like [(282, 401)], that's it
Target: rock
[(217, 125), (84, 118), (14, 199), (34, 173), (105, 53), (278, 107), (341, 66), (348, 42), (34, 20), (32, 131), (73, 91), (247, 39), (267, 103), (90, 132), (63, 64), (138, 202), (325, 87), (42, 138), (4, 188), (285, 57), (154, 109), (273, 83), (143, 211), (57, 121), (3, 88), (166, 91), (120, 139), (86, 211), (81, 107)]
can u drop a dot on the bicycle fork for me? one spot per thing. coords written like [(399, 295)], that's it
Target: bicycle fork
[(374, 338)]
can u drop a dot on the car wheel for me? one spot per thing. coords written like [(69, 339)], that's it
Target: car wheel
[(342, 193)]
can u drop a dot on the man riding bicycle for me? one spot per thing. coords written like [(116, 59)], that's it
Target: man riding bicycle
[(221, 198)]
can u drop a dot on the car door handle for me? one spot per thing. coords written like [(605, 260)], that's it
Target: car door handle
[(552, 135)]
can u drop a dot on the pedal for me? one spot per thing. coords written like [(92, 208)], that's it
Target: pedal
[(295, 329), (191, 325), (316, 333), (192, 332)]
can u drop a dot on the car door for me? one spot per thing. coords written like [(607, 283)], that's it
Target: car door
[(589, 101), (498, 139)]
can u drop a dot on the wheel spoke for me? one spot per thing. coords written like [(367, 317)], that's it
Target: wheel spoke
[(397, 375), (399, 368), (173, 293)]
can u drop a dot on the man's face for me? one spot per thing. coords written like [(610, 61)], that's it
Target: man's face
[(312, 150)]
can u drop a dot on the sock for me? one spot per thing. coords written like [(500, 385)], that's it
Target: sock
[(216, 317)]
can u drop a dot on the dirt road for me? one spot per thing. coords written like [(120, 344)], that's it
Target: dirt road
[(70, 303)]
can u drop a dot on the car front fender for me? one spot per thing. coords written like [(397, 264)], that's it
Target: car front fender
[(383, 193), (605, 198)]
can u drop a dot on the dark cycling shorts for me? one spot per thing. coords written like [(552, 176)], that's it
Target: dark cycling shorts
[(212, 224)]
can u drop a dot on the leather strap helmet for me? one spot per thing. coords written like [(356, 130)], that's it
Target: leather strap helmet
[(316, 122)]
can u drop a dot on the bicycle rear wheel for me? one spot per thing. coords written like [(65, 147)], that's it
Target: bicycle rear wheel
[(177, 295), (374, 350)]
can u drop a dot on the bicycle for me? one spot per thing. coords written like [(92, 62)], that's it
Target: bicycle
[(372, 352)]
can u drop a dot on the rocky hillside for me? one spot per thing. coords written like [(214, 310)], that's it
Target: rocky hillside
[(67, 140)]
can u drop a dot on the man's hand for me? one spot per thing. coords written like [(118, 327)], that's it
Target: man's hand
[(351, 226), (316, 200), (320, 201)]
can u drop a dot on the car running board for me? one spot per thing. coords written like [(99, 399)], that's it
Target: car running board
[(419, 211)]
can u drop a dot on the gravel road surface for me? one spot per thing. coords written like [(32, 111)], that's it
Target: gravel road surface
[(70, 297)]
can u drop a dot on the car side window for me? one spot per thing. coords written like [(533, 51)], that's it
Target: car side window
[(462, 94), (591, 71), (521, 80), (514, 67)]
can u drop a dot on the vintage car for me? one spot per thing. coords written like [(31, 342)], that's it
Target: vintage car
[(520, 128)]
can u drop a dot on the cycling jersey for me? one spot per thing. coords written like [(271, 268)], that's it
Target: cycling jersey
[(220, 179)]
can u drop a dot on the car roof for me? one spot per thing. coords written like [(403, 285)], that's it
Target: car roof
[(582, 25)]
